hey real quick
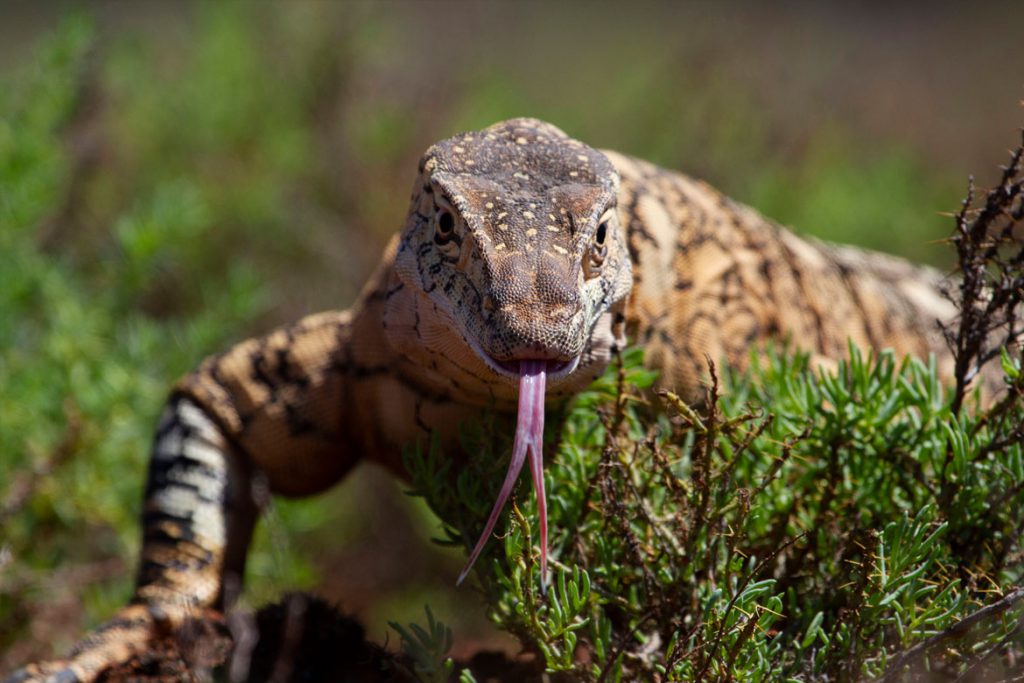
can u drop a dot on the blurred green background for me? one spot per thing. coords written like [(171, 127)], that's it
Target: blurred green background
[(176, 176)]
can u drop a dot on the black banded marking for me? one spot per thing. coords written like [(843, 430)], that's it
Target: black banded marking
[(846, 277), (184, 516)]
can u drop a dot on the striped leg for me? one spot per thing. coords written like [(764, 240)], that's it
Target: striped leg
[(199, 513)]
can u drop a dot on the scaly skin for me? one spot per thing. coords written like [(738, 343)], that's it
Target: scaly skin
[(520, 244)]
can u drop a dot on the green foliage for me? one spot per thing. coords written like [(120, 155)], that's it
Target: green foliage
[(427, 648), (801, 525)]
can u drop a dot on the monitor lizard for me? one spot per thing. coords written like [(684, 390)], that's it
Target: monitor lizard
[(527, 260)]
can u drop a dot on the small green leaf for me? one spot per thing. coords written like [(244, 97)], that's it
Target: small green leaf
[(812, 630), (1011, 366)]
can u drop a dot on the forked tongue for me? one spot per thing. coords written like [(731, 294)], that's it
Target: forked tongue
[(529, 439)]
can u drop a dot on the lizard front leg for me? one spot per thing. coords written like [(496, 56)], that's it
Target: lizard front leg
[(199, 512), (274, 409)]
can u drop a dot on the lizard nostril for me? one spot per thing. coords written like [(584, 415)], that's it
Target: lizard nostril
[(488, 303)]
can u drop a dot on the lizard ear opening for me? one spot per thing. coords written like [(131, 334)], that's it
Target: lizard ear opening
[(447, 229), (444, 225), (598, 250)]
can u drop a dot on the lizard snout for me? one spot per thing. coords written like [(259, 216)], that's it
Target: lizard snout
[(550, 333), (541, 332)]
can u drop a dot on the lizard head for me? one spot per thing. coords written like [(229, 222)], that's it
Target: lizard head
[(511, 276), (514, 237)]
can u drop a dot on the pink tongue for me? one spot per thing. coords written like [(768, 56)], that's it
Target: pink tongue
[(529, 438)]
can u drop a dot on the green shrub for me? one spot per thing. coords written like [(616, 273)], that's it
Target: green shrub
[(793, 528)]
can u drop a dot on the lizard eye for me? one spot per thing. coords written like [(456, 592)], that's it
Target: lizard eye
[(444, 226)]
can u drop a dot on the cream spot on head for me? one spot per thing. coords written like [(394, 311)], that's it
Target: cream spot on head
[(502, 215), (560, 250), (551, 216), (552, 228), (470, 162), (528, 215), (499, 246), (520, 140), (562, 211), (502, 226), (529, 247), (489, 205), (531, 232), (572, 174), (583, 157), (459, 149), (520, 175)]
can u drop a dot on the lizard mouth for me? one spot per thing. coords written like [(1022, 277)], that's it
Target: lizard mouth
[(556, 369), (532, 375), (512, 369)]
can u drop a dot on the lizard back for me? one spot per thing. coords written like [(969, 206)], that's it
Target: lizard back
[(714, 278)]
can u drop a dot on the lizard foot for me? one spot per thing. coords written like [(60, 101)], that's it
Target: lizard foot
[(141, 643)]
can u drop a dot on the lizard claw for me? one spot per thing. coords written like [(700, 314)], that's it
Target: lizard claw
[(139, 642), (57, 671), (50, 671)]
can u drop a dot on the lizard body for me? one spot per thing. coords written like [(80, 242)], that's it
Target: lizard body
[(521, 244)]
